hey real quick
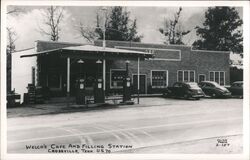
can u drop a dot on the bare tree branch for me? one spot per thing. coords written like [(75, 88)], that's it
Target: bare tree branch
[(52, 19), (172, 29)]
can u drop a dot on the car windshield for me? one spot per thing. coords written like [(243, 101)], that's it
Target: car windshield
[(237, 84), (193, 85)]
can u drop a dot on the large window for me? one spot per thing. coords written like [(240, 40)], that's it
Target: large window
[(159, 79), (186, 76), (116, 78), (217, 76)]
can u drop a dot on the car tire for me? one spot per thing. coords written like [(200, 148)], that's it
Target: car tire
[(213, 95), (197, 98), (186, 96)]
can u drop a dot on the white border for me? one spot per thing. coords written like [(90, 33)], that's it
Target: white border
[(188, 75), (110, 77), (151, 76), (219, 76), (154, 49), (244, 156)]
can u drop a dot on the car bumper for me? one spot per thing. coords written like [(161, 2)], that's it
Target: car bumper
[(197, 96), (226, 94)]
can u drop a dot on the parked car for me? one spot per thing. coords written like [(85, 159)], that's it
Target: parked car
[(236, 88), (185, 90), (214, 90)]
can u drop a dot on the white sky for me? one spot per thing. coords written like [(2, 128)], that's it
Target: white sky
[(149, 19)]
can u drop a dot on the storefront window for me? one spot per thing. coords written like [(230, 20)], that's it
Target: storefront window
[(222, 78), (186, 76), (159, 79), (191, 79), (117, 78), (180, 76), (217, 76)]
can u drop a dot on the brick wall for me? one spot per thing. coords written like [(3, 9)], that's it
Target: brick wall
[(198, 60)]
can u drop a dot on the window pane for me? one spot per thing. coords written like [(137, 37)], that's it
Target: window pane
[(211, 76), (159, 78), (180, 76), (217, 77), (222, 78), (185, 75), (192, 76), (117, 78)]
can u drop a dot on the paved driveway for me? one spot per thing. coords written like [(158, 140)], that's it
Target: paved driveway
[(157, 125)]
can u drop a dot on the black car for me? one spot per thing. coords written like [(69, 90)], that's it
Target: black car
[(236, 88), (214, 90), (185, 90)]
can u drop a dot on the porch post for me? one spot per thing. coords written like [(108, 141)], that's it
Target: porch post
[(104, 75), (68, 77), (138, 80)]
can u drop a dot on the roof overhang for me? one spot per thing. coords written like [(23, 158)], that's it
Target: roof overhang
[(94, 52)]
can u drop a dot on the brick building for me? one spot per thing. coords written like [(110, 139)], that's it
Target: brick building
[(172, 63), (45, 66)]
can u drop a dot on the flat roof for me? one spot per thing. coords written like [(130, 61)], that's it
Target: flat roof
[(91, 50)]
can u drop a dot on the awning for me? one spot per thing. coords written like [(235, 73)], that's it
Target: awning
[(94, 51)]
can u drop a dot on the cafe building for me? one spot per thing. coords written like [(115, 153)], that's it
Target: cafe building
[(58, 67)]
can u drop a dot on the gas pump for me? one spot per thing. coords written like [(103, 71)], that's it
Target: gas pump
[(98, 91), (127, 87), (80, 91)]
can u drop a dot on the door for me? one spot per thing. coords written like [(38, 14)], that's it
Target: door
[(201, 77), (142, 84)]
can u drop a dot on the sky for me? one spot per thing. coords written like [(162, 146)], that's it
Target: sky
[(149, 20)]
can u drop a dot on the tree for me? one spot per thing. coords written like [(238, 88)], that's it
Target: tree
[(220, 30), (118, 26), (10, 48), (52, 19), (173, 30)]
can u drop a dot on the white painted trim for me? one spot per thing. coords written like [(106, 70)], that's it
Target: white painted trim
[(219, 76), (133, 74), (159, 49), (68, 75), (126, 42), (202, 75), (210, 51), (151, 75), (188, 75), (110, 77)]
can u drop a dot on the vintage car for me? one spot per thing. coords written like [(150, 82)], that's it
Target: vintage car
[(236, 88), (187, 90), (214, 90)]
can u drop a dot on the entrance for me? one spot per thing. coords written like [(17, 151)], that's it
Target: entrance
[(202, 77), (142, 83)]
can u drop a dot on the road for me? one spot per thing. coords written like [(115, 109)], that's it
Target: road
[(157, 125)]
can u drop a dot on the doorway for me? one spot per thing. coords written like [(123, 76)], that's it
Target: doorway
[(142, 83)]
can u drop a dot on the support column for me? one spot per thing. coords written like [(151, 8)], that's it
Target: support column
[(104, 75), (68, 77), (138, 80)]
